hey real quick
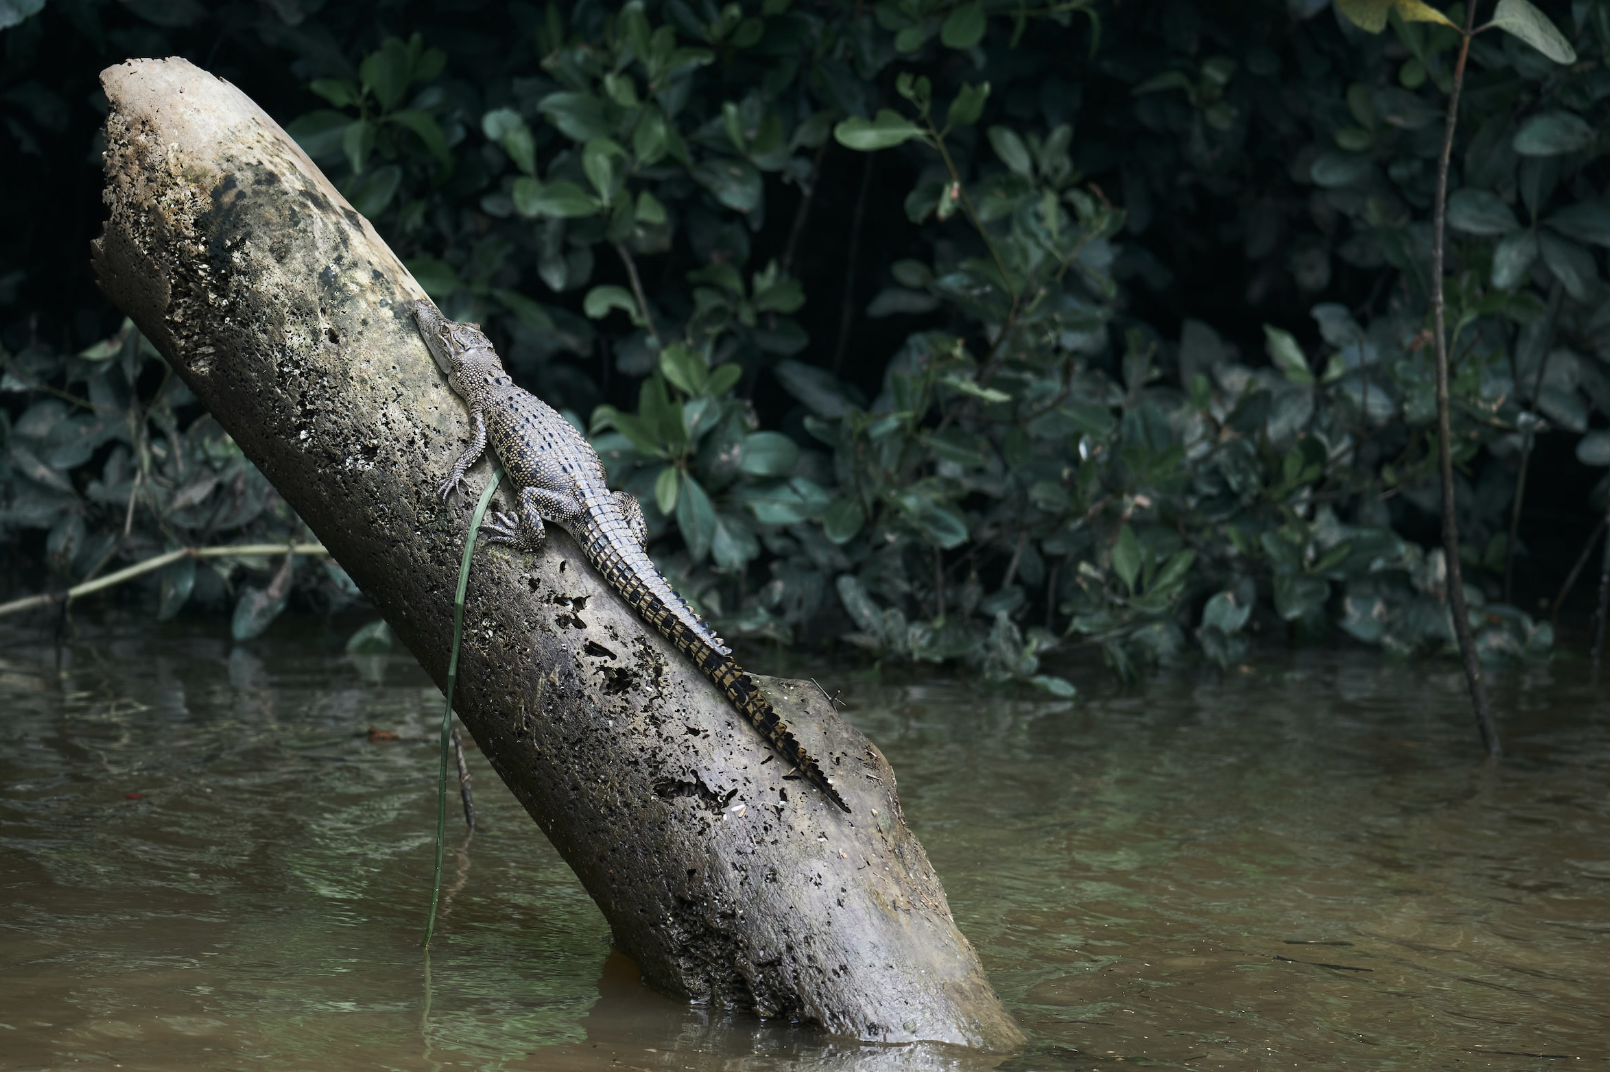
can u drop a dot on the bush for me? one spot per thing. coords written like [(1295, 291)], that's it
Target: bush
[(1127, 348)]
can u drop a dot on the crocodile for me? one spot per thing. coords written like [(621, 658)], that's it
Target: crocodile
[(560, 480)]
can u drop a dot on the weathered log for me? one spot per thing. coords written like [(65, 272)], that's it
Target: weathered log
[(723, 878)]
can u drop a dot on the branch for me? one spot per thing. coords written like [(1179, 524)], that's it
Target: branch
[(1450, 522), (156, 562)]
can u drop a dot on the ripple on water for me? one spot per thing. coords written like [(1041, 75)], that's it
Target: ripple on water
[(207, 863)]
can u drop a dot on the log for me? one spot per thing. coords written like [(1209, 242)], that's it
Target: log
[(724, 879)]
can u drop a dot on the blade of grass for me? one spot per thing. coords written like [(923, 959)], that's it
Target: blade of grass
[(447, 709)]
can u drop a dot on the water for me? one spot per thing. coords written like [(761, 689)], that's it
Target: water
[(1300, 864)]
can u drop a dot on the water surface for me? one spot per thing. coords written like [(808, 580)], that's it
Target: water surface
[(207, 861)]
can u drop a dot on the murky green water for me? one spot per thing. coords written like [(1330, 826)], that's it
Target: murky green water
[(1302, 865)]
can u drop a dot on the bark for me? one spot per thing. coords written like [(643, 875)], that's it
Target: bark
[(725, 880)]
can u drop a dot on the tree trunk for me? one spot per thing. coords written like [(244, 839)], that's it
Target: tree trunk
[(725, 880)]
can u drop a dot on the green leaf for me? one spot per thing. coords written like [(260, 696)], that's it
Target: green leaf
[(320, 133), (603, 161), (1164, 80), (843, 520), (968, 105), (1127, 556), (1287, 356), (1299, 595), (685, 368), (559, 200), (579, 116), (1013, 153), (1224, 613), (436, 277), (1513, 257), (1480, 212), (724, 378), (1594, 448), (735, 183), (696, 517), (341, 92), (650, 140), (1571, 264), (734, 544), (385, 73), (530, 312), (254, 612), (357, 143), (1526, 22), (1336, 169), (964, 26), (1060, 687), (179, 580), (425, 128), (885, 131), (1588, 221), (372, 192), (508, 129), (940, 525), (15, 12), (968, 387), (769, 454), (1371, 14), (649, 210), (372, 639), (666, 486), (600, 300), (1552, 134)]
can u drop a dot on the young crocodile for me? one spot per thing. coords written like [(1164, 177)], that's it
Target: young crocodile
[(561, 480)]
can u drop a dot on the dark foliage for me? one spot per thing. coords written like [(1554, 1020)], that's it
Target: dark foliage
[(961, 330)]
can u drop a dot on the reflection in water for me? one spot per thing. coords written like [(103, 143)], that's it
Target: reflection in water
[(207, 861)]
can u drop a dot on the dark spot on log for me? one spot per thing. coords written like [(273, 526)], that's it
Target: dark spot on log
[(597, 650), (617, 679), (330, 334), (672, 788)]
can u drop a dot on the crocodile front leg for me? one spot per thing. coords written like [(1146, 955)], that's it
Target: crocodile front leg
[(524, 528), (471, 454)]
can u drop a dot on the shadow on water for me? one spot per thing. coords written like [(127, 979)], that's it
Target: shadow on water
[(207, 860)]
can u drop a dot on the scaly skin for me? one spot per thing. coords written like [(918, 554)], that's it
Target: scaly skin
[(561, 480)]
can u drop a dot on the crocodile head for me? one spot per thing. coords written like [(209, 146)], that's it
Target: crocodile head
[(449, 341)]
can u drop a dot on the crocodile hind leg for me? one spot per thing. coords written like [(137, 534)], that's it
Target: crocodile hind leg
[(633, 511), (524, 527)]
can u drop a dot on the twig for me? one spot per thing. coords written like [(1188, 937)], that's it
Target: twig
[(464, 781), (168, 558), (1450, 523), (1576, 571), (637, 290), (1556, 294), (1604, 600), (804, 210), (847, 304)]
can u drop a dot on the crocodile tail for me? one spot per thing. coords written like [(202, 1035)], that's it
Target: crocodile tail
[(633, 574), (746, 697)]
